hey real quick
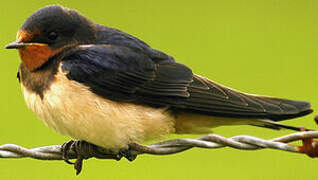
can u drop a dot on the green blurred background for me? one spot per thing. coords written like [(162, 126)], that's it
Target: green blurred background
[(262, 47)]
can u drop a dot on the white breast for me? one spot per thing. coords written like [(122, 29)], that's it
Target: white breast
[(70, 108)]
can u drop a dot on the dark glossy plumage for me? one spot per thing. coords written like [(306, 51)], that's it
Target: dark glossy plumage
[(123, 74), (130, 75)]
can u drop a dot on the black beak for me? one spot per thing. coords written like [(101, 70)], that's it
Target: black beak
[(15, 45)]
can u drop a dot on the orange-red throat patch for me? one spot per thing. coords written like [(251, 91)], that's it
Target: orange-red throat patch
[(33, 55)]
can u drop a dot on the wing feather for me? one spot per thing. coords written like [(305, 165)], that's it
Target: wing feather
[(131, 75)]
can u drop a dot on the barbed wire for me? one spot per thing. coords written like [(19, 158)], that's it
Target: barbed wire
[(211, 141)]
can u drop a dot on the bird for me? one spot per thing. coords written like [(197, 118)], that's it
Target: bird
[(101, 85)]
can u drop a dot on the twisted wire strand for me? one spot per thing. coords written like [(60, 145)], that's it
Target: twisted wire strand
[(211, 141)]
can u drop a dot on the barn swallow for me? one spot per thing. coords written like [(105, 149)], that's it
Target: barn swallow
[(106, 87)]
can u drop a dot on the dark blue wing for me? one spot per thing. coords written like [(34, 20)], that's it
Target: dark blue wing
[(122, 74), (131, 75)]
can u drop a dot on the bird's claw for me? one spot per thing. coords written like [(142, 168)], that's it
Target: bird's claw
[(65, 148), (82, 150), (127, 154)]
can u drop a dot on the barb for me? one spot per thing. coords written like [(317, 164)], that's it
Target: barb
[(212, 141)]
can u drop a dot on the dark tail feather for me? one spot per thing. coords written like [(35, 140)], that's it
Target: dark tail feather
[(274, 125), (264, 123)]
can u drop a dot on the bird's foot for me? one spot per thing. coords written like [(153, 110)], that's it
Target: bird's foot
[(82, 150), (309, 147), (127, 153), (65, 148)]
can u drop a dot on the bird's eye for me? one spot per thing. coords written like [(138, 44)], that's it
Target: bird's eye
[(52, 35)]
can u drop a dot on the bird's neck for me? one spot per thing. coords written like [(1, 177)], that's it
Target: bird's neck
[(40, 80)]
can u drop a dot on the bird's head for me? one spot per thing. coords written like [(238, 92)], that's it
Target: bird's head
[(48, 31)]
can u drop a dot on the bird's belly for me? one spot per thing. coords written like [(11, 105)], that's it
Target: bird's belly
[(70, 108)]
